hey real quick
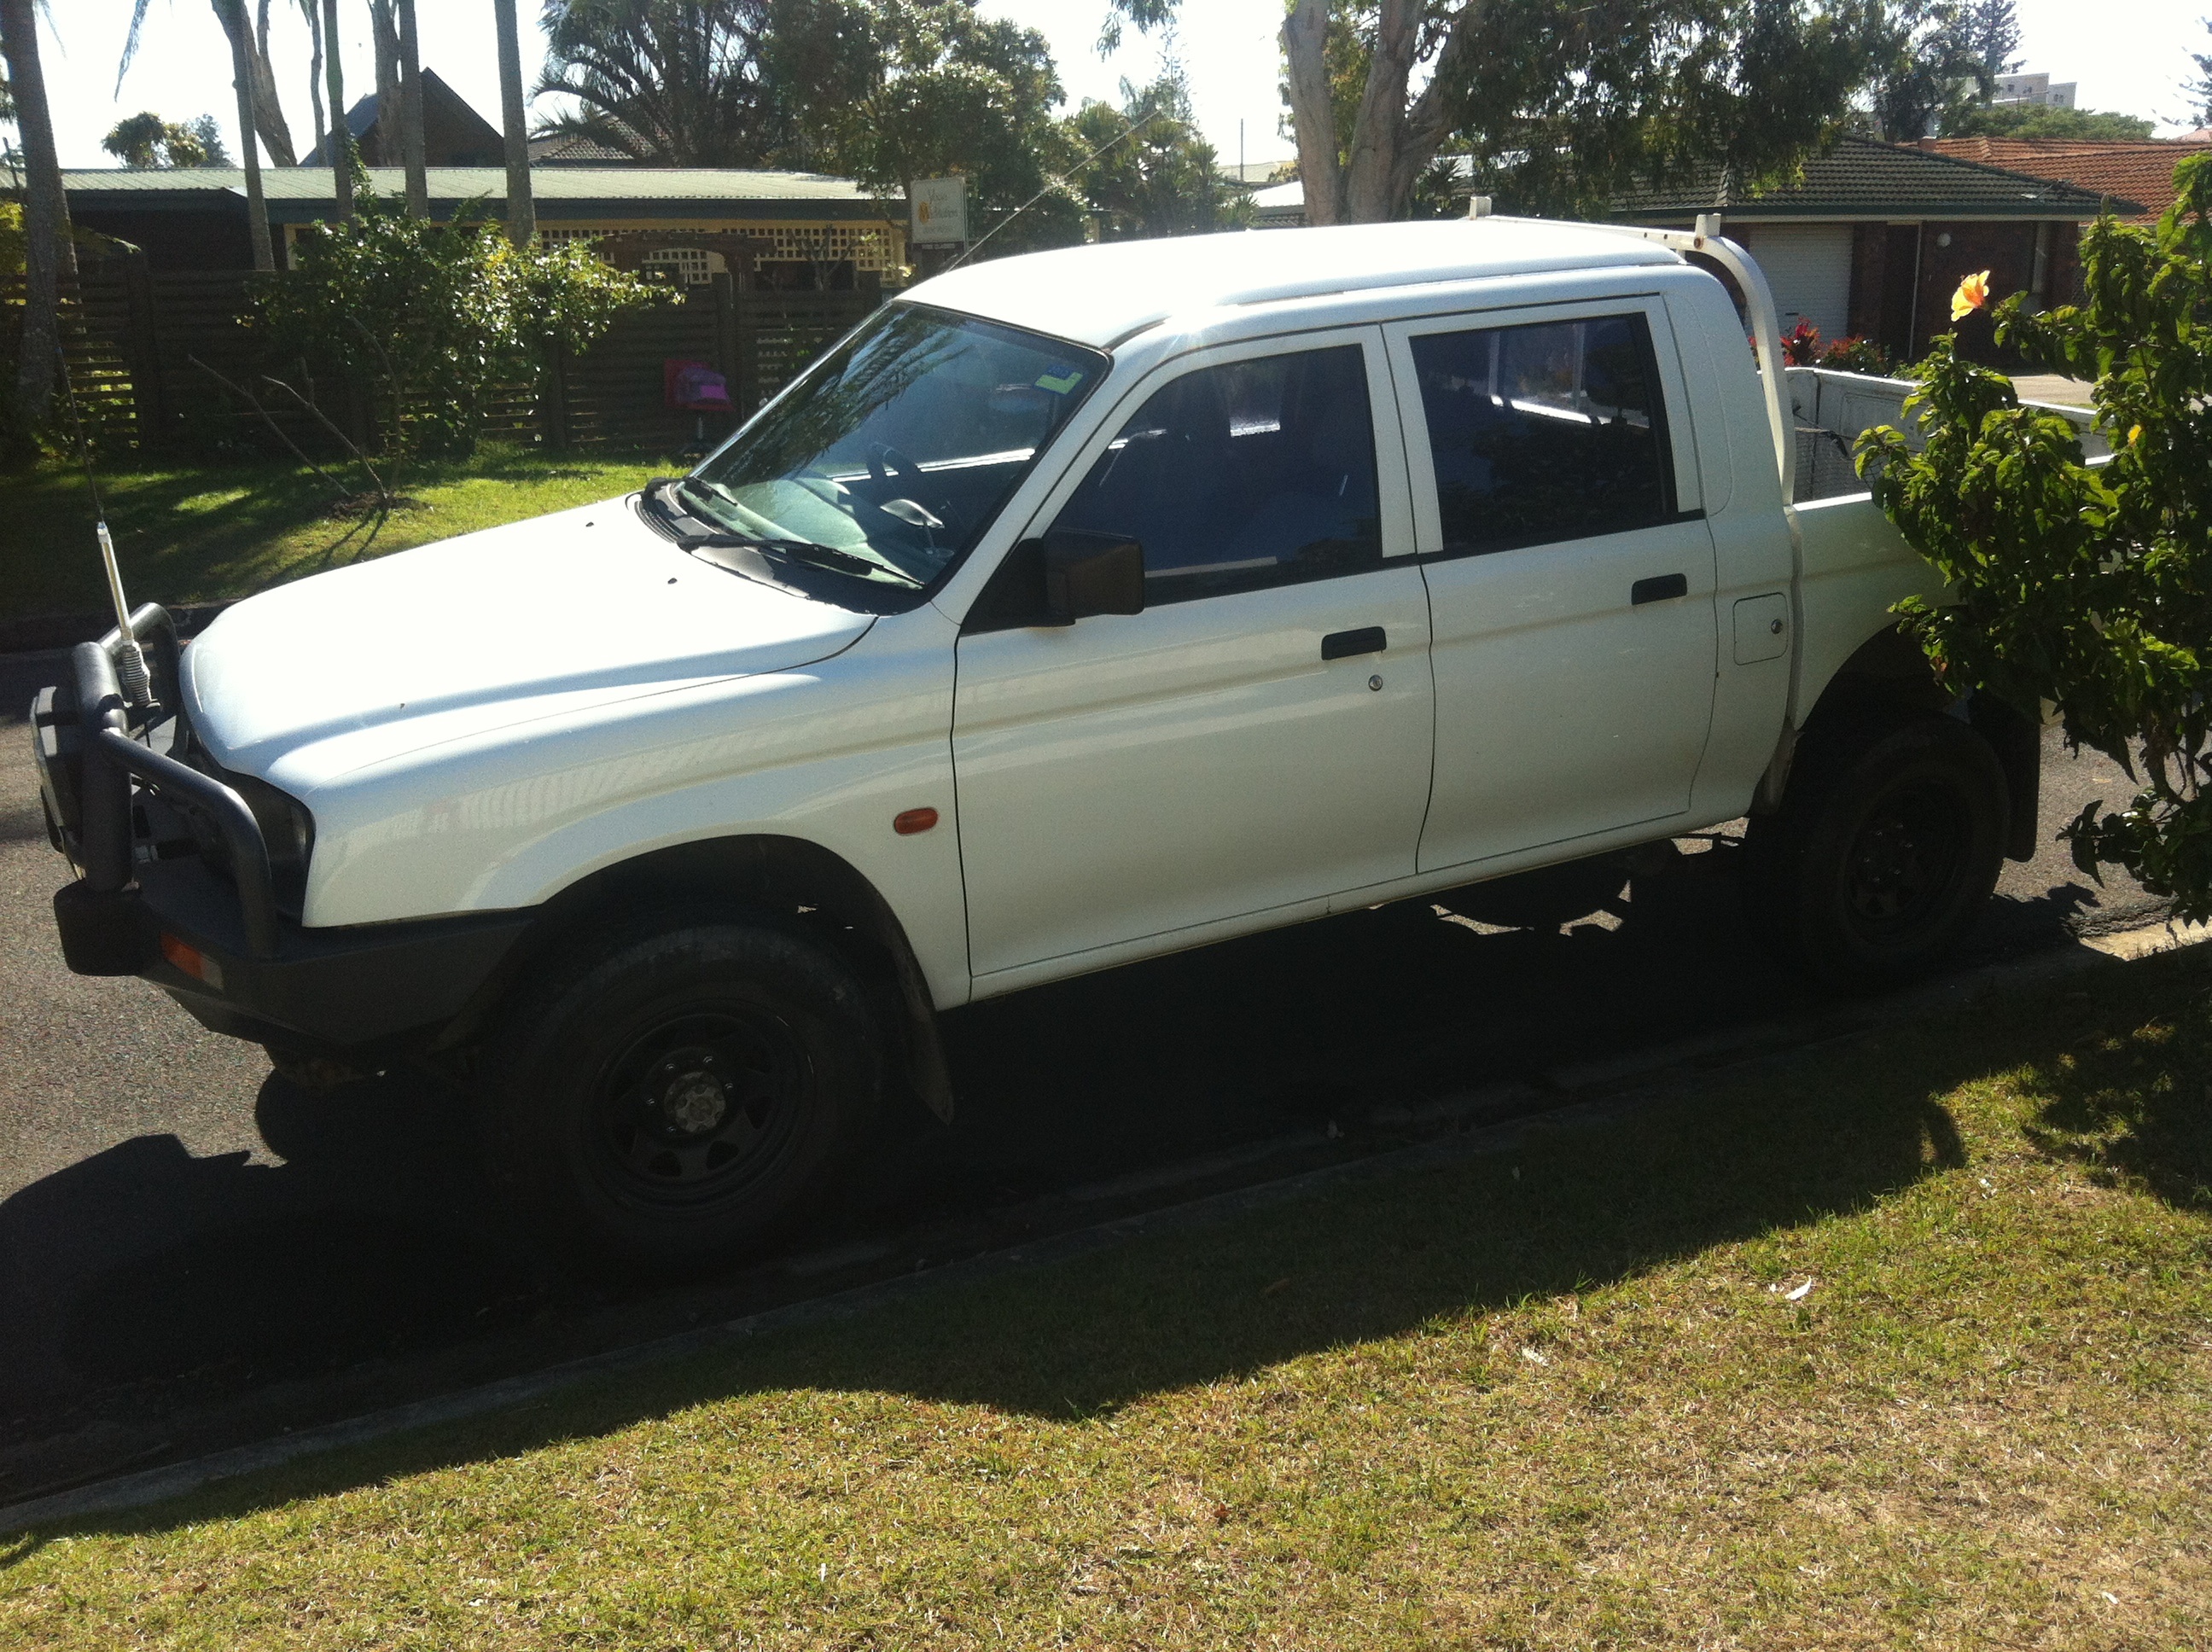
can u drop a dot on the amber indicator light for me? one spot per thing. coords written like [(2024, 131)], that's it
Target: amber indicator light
[(192, 961), (913, 820)]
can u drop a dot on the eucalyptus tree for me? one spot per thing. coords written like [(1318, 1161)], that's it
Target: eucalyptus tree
[(1558, 105)]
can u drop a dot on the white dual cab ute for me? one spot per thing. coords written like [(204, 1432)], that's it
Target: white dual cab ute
[(1074, 609)]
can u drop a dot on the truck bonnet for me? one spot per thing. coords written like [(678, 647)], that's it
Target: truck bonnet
[(537, 619)]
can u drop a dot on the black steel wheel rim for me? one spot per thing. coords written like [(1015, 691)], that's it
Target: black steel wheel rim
[(1904, 861), (699, 1104)]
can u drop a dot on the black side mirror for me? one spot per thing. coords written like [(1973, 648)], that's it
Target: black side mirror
[(1064, 577), (1087, 573)]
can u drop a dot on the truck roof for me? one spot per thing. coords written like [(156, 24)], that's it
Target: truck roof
[(1102, 294)]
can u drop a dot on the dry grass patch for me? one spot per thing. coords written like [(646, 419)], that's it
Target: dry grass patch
[(1903, 1343)]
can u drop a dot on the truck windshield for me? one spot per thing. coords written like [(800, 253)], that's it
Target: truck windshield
[(899, 446)]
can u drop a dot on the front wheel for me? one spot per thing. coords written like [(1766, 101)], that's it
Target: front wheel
[(1883, 853), (672, 1100)]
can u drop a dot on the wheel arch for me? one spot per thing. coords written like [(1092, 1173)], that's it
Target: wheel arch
[(1886, 681), (787, 876)]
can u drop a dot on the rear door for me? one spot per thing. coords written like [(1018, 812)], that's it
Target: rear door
[(1258, 738), (1571, 574)]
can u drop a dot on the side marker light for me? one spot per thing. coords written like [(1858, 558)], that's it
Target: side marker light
[(193, 962), (913, 820)]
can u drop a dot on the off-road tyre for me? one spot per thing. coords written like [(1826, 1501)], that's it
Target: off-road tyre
[(1883, 853), (669, 1100)]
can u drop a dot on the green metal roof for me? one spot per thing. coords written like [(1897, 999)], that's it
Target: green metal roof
[(1862, 178), (296, 194)]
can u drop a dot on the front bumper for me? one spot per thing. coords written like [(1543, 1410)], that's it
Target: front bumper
[(147, 905)]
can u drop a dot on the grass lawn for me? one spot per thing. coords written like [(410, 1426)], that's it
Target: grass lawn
[(1903, 1342), (196, 532)]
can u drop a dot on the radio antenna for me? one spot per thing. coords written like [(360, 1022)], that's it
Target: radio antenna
[(1121, 137), (131, 663)]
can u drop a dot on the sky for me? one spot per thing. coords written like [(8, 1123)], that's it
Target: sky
[(2129, 55)]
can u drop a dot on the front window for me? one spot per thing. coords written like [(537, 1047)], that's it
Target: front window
[(892, 454)]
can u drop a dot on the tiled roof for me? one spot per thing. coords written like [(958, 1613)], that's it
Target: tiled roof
[(570, 150), (2139, 172), (1862, 178)]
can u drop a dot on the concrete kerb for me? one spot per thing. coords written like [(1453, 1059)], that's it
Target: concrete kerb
[(1659, 1071)]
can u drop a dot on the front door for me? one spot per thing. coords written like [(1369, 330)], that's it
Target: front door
[(1571, 575), (1259, 736)]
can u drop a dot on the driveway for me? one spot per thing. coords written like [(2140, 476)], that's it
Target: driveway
[(193, 1252)]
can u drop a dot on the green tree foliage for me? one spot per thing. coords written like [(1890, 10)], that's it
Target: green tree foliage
[(888, 90), (1991, 29), (2088, 586), (1930, 69), (1560, 104), (671, 82), (2031, 120), (2200, 89), (1153, 174), (439, 315), (145, 140)]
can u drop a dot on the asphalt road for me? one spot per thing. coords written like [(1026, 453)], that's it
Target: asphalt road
[(193, 1252)]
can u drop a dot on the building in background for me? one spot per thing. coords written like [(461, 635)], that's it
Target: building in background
[(2127, 173), (2035, 91), (453, 134), (1874, 237), (800, 229)]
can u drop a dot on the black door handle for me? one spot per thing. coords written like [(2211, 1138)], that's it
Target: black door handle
[(1342, 645), (1658, 589)]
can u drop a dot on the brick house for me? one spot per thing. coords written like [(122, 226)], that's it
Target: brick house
[(1873, 238), (2126, 172)]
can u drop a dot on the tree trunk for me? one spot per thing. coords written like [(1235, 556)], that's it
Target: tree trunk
[(48, 252), (315, 72), (1390, 143), (1305, 42), (522, 206), (386, 28), (341, 152), (268, 109), (1370, 195), (410, 113), (242, 78)]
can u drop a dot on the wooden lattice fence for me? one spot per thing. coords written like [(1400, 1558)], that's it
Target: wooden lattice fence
[(131, 338)]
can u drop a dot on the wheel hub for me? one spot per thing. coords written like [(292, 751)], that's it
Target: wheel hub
[(694, 1098), (1904, 859)]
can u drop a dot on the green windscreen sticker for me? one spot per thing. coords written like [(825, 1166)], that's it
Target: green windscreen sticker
[(1061, 380)]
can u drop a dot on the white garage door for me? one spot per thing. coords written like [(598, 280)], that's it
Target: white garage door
[(1809, 268)]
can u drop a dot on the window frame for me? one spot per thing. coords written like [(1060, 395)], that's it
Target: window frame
[(1393, 489), (1672, 411)]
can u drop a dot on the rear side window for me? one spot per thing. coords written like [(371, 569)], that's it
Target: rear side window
[(1235, 477), (1544, 433)]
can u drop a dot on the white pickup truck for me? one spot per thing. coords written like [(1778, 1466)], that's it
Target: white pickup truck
[(1075, 609)]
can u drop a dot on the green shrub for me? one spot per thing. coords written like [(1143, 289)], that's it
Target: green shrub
[(439, 315), (2088, 586)]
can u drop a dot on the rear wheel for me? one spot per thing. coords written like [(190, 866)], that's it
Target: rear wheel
[(1884, 852), (673, 1100)]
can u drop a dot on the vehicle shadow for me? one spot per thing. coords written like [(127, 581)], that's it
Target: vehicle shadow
[(143, 1284), (1570, 1206)]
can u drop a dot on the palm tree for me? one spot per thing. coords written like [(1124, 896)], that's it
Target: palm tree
[(258, 112), (341, 140), (521, 207), (48, 253), (233, 13), (410, 113), (673, 82)]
